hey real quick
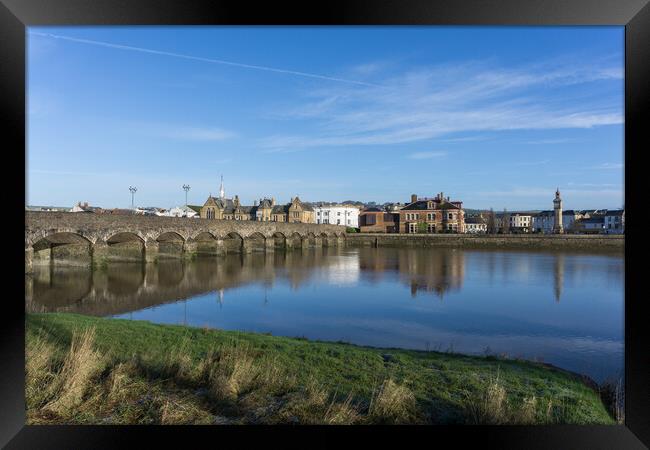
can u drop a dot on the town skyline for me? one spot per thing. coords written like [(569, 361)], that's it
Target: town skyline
[(497, 117)]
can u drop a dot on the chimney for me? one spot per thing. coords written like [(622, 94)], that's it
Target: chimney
[(414, 198), (272, 201), (85, 204)]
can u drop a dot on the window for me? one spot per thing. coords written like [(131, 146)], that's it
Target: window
[(348, 221), (338, 221), (412, 228), (450, 215), (338, 213)]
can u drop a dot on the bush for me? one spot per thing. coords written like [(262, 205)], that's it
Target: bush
[(351, 230)]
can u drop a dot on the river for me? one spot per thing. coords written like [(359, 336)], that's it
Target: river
[(562, 308)]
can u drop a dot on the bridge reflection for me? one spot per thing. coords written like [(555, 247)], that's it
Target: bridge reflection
[(124, 287)]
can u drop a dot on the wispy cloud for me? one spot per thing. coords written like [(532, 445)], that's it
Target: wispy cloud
[(177, 131), (552, 141), (548, 191), (607, 166), (199, 58), (431, 103), (531, 163), (426, 155), (195, 133), (571, 183)]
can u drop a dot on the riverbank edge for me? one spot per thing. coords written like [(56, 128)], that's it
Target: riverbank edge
[(435, 378), (613, 243)]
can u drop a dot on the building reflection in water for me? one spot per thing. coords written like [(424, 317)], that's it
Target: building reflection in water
[(125, 287), (558, 276), (435, 271)]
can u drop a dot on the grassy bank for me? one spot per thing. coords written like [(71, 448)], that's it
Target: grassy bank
[(89, 370)]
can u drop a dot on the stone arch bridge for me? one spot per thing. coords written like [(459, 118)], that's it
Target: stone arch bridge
[(87, 238)]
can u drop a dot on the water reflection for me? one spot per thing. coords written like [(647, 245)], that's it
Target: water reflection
[(123, 287), (564, 308)]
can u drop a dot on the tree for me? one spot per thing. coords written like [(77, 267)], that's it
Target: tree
[(422, 227), (505, 222), (491, 222)]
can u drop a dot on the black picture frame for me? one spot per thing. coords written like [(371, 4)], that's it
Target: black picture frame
[(16, 15)]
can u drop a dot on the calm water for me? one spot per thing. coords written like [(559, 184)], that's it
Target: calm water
[(561, 308)]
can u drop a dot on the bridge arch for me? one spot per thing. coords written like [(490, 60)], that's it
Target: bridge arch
[(122, 246), (279, 240), (256, 242), (295, 240), (310, 239), (204, 243), (324, 239), (233, 242), (170, 244), (62, 247)]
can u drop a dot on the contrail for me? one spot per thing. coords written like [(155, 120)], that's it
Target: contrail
[(198, 58)]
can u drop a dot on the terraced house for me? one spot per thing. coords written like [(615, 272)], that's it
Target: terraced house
[(432, 215)]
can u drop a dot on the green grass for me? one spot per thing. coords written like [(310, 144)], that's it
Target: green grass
[(122, 371)]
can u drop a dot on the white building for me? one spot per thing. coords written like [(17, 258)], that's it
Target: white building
[(347, 215), (475, 225), (544, 221), (520, 222), (615, 221), (181, 211)]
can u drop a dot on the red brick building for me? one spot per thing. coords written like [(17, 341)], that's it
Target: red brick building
[(432, 215), (376, 220)]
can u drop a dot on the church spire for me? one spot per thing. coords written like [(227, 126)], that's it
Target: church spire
[(222, 192)]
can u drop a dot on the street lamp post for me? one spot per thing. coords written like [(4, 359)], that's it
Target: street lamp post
[(186, 188), (133, 190)]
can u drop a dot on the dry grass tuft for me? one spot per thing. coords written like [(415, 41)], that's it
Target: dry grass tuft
[(341, 413), (489, 408), (392, 404), (233, 371), (39, 356), (527, 412), (80, 365)]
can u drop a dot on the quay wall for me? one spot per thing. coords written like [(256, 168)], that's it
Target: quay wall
[(510, 241)]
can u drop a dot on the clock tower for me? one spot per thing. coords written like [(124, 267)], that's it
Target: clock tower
[(557, 206)]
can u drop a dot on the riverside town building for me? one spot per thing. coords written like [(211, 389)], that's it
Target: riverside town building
[(266, 211), (432, 215)]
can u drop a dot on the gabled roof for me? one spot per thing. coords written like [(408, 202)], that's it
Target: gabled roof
[(280, 209)]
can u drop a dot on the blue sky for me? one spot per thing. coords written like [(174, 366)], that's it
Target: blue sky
[(492, 116)]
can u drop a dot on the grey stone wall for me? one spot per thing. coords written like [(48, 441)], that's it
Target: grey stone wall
[(565, 241)]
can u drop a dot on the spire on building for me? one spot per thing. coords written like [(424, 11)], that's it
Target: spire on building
[(222, 192)]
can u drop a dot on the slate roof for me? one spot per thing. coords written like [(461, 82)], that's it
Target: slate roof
[(615, 212), (372, 209), (424, 205), (600, 219)]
